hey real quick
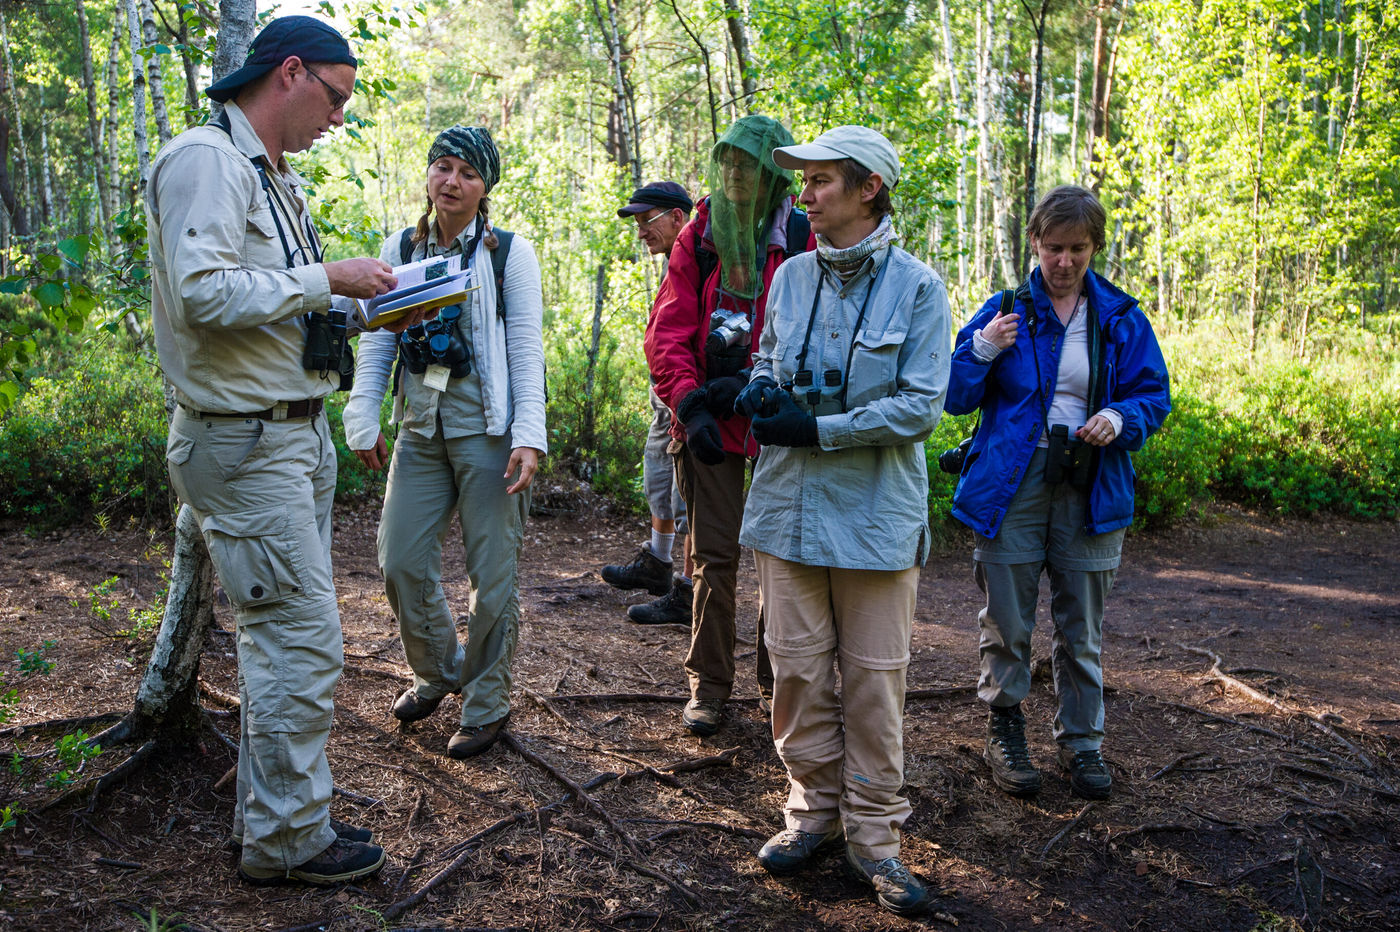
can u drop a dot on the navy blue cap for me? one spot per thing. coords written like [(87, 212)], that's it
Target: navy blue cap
[(306, 37), (664, 194)]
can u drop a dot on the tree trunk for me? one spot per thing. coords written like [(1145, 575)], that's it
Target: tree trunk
[(600, 296), (191, 72), (623, 133), (13, 210), (94, 132), (46, 206), (709, 78), (739, 36), (154, 79), (21, 200), (138, 99), (1034, 127), (1098, 124), (113, 161), (979, 214), (956, 97), (1074, 113), (167, 701), (1001, 202)]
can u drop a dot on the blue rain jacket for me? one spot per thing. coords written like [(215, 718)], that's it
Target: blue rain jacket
[(1132, 381)]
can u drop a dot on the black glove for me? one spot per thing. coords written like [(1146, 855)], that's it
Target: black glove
[(721, 392), (755, 396), (790, 426), (701, 430)]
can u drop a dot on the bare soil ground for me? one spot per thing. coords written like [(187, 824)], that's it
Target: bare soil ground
[(1230, 811)]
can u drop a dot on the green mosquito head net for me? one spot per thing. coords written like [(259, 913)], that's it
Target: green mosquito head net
[(746, 186)]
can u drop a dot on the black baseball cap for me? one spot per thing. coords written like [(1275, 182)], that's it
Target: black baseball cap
[(663, 194), (306, 37)]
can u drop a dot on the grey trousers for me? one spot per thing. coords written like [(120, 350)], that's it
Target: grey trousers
[(1044, 531), (262, 492), (659, 468), (430, 480)]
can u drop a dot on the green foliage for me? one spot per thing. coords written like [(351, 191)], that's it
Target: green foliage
[(88, 440), (9, 699), (32, 662), (72, 752)]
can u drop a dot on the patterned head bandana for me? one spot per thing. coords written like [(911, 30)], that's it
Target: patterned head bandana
[(473, 145)]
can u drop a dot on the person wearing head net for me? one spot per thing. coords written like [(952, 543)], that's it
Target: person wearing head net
[(469, 401), (699, 341)]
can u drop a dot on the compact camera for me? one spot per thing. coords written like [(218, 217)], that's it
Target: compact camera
[(328, 348), (1069, 459), (728, 329), (437, 343)]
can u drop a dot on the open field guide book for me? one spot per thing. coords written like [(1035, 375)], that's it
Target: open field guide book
[(427, 284)]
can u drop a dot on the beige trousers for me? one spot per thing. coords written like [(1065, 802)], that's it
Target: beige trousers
[(844, 752), (262, 492)]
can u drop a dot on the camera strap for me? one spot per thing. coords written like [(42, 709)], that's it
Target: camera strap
[(875, 280), (305, 236)]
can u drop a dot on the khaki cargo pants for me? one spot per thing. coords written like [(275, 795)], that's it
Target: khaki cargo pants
[(262, 492)]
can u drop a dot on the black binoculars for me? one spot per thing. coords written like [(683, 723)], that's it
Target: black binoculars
[(437, 343), (327, 347), (1068, 459)]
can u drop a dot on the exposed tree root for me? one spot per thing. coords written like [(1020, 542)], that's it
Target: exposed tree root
[(56, 723), (1073, 824), (97, 785)]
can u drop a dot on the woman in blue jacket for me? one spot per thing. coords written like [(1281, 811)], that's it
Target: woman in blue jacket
[(1069, 379)]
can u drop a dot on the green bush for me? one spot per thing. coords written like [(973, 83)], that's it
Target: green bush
[(88, 441)]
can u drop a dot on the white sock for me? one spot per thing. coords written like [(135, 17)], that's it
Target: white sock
[(661, 545)]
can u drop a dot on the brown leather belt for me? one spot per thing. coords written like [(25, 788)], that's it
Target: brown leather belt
[(282, 411)]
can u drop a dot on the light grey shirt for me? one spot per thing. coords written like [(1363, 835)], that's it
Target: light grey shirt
[(860, 499), (226, 309)]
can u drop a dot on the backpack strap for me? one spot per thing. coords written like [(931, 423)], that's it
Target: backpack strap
[(499, 255), (799, 230), (406, 246)]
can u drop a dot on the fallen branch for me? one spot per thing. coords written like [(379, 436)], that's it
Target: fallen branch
[(1217, 674), (1177, 763), (1073, 823), (682, 824), (579, 792), (1230, 720), (366, 801), (1317, 774), (60, 723), (543, 703), (122, 865), (944, 693)]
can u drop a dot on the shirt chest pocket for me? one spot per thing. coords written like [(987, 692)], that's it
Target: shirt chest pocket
[(262, 246), (874, 366)]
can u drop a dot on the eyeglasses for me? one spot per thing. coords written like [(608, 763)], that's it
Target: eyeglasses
[(338, 99), (738, 164), (648, 222)]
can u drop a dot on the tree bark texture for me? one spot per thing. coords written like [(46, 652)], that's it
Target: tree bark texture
[(153, 73), (1033, 126), (623, 132), (237, 22), (138, 99), (739, 36), (21, 200), (94, 126), (113, 161), (955, 95)]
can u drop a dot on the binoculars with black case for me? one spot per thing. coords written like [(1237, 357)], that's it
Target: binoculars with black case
[(328, 347), (1068, 459)]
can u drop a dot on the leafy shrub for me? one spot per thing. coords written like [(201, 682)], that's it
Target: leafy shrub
[(90, 440)]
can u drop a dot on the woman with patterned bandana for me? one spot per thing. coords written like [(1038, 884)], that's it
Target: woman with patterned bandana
[(471, 433)]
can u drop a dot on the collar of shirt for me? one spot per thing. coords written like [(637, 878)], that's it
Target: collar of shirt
[(246, 140), (458, 245)]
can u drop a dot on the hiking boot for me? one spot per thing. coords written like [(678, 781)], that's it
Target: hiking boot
[(342, 830), (343, 861), (702, 716), (789, 851), (1006, 752), (897, 890), (1088, 774), (409, 708), (471, 740), (673, 608), (646, 571)]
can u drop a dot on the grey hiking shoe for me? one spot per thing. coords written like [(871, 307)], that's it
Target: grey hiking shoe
[(702, 716), (789, 851), (343, 861), (897, 890), (1006, 752), (673, 608), (471, 740), (646, 571), (1088, 774)]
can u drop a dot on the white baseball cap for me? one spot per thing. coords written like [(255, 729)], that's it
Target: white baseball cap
[(864, 145)]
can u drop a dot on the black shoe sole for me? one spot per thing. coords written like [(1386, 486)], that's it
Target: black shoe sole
[(649, 587), (313, 880)]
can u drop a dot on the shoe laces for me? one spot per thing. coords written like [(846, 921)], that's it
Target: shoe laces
[(1011, 738), (1090, 760), (892, 869)]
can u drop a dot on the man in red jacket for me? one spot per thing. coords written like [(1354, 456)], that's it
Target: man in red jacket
[(703, 331)]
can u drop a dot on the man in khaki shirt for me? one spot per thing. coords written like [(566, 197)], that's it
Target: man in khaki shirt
[(236, 276)]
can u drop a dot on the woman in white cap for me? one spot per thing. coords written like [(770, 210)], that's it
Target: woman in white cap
[(848, 381)]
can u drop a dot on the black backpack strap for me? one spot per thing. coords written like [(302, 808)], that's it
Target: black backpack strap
[(799, 230), (499, 255), (406, 246)]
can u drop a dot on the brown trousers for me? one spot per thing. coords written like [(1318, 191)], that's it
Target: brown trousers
[(714, 501)]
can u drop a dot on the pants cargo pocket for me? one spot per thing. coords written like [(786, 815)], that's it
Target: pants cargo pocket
[(257, 558)]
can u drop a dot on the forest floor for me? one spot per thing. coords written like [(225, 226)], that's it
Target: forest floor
[(1228, 812)]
